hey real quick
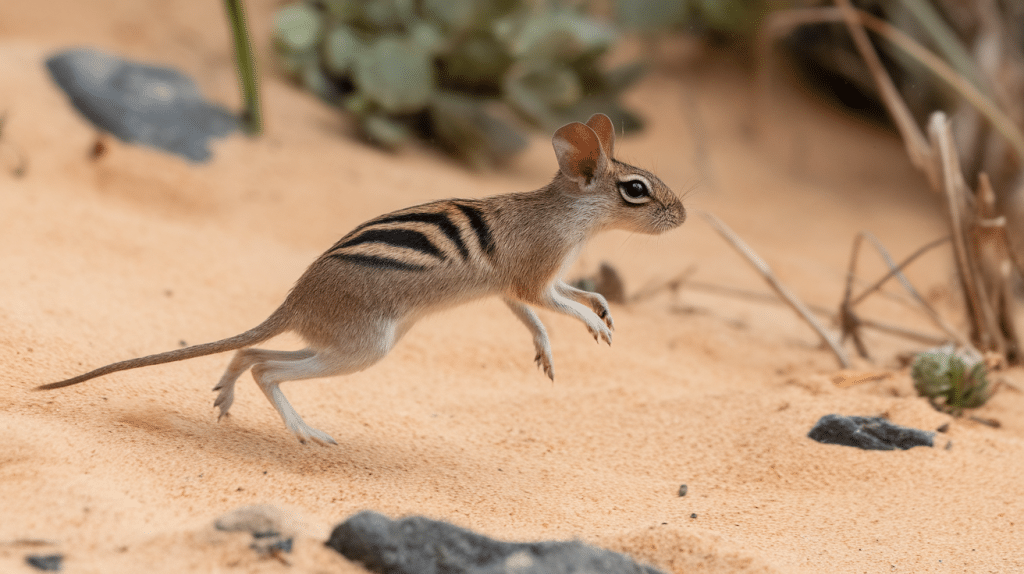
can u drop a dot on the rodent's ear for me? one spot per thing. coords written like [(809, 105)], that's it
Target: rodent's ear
[(605, 131), (579, 153)]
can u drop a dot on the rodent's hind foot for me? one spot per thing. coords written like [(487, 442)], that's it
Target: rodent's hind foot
[(224, 399), (307, 432), (543, 361)]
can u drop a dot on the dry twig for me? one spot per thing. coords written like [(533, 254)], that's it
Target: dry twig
[(850, 322), (728, 291), (762, 267)]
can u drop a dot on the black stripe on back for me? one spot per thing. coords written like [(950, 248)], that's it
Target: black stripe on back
[(439, 219), (397, 238), (476, 221), (377, 262)]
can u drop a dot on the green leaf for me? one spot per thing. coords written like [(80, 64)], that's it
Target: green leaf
[(298, 27), (476, 65), (384, 131), (619, 79), (389, 15), (451, 15), (561, 36), (465, 127), (344, 10), (650, 15), (427, 37), (314, 79), (341, 48), (540, 94), (397, 74)]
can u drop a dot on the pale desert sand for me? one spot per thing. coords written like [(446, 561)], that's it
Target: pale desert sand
[(138, 251)]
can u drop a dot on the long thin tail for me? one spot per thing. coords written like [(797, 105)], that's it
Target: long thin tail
[(274, 325)]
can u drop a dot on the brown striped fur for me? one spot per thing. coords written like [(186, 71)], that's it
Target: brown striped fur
[(361, 296)]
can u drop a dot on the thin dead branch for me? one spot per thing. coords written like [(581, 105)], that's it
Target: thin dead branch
[(781, 22), (850, 321), (756, 296), (960, 202), (673, 285), (762, 267)]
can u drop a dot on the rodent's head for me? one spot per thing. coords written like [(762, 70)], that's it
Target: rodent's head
[(630, 198)]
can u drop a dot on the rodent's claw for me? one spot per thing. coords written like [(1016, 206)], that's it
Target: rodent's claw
[(319, 437), (600, 333), (543, 360), (224, 400)]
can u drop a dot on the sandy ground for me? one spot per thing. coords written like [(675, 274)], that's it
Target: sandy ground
[(138, 252)]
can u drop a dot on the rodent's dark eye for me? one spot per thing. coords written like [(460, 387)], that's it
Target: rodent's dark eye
[(634, 191)]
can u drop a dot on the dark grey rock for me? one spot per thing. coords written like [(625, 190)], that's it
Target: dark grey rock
[(683, 490), (272, 529), (418, 545), (140, 103), (45, 562), (869, 433)]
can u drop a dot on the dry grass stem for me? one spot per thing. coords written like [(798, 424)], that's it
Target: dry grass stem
[(851, 322), (959, 200), (780, 23), (728, 291), (654, 288), (762, 267)]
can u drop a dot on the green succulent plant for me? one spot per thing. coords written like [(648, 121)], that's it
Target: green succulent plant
[(457, 73), (738, 18), (950, 384)]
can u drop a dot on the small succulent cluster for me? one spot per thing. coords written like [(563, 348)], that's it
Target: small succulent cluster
[(949, 382), (450, 71), (723, 18)]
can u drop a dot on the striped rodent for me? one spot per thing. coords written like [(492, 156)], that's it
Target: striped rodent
[(357, 300)]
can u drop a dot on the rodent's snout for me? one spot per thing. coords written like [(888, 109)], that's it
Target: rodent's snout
[(672, 216)]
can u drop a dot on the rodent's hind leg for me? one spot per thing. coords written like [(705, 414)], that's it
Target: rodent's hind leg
[(241, 362), (325, 363)]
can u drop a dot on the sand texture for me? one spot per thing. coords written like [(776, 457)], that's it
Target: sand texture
[(139, 252)]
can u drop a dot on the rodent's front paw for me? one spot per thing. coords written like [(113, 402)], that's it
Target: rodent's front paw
[(600, 332), (606, 315)]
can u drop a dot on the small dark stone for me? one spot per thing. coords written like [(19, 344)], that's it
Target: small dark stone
[(869, 433), (278, 545), (418, 545), (45, 562), (682, 490), (944, 427), (694, 515), (270, 527), (139, 103)]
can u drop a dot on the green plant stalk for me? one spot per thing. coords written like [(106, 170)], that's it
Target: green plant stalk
[(948, 43), (251, 116)]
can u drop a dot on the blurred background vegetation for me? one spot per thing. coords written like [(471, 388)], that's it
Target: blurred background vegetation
[(471, 75)]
